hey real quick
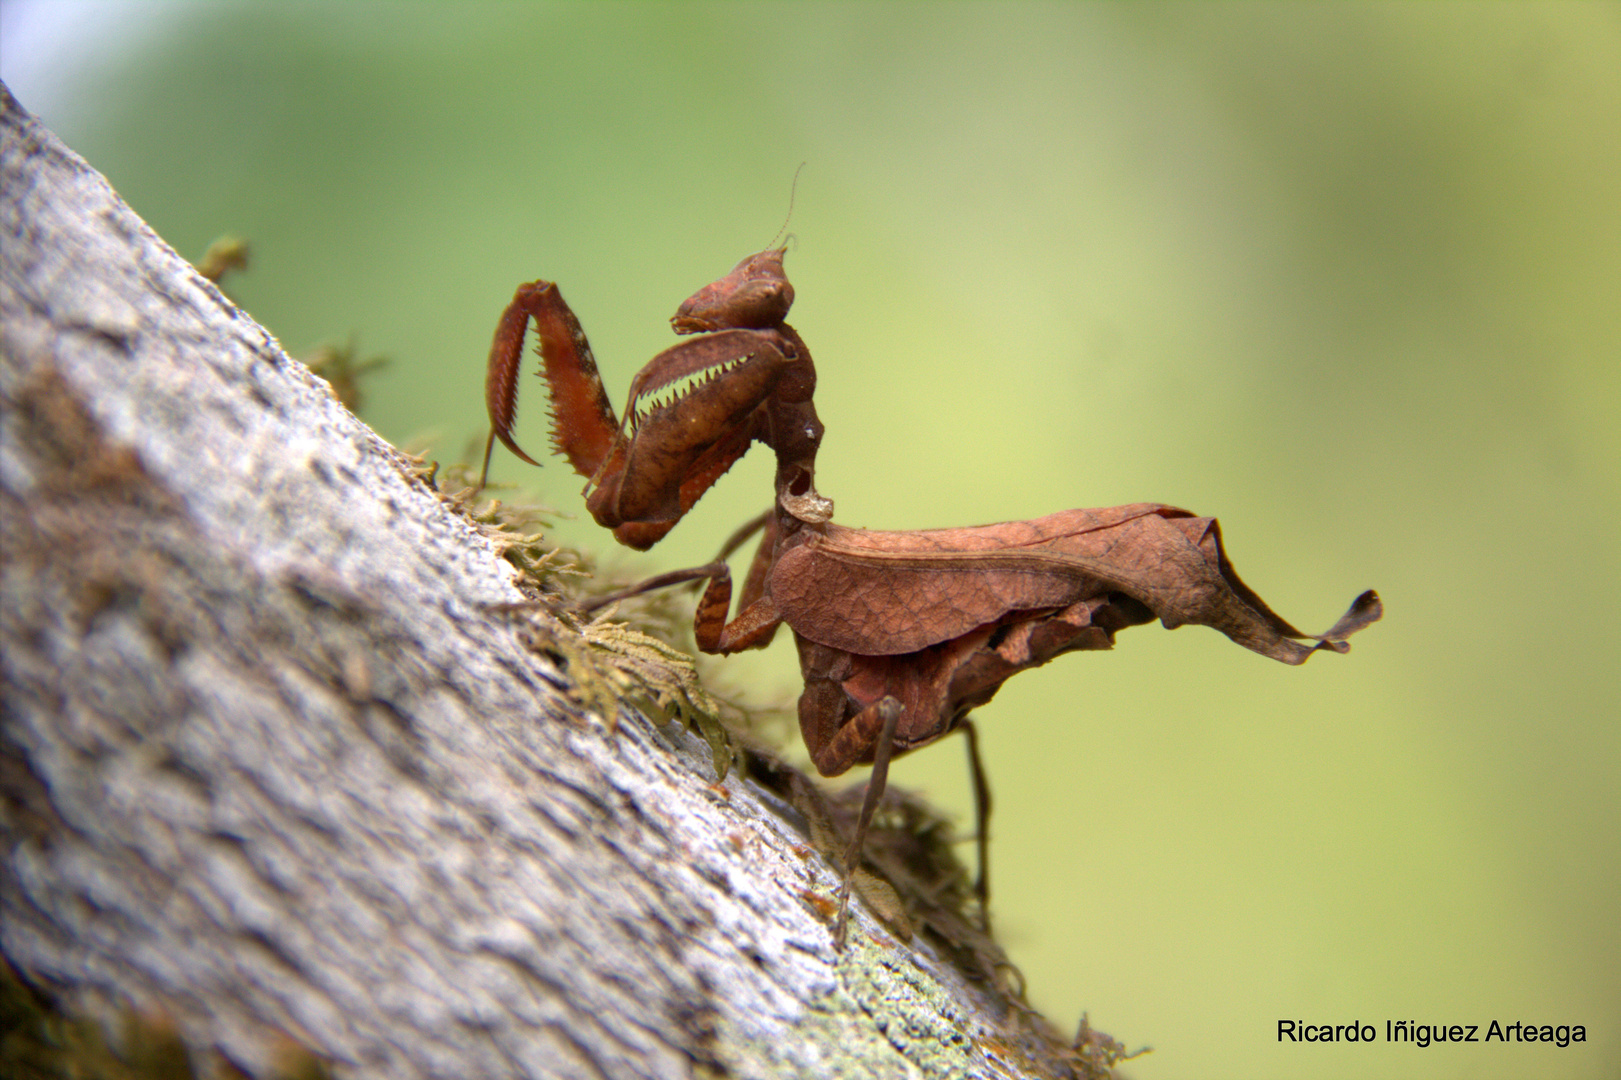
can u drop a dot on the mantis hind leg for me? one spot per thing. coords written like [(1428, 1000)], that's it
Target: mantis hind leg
[(982, 820), (884, 715)]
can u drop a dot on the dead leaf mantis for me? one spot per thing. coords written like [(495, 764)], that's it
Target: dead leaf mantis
[(900, 634)]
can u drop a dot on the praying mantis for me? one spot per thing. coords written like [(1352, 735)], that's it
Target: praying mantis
[(900, 635)]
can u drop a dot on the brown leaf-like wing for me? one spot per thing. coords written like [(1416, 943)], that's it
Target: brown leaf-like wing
[(884, 593)]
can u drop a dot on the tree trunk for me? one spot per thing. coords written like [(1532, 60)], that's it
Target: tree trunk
[(274, 774)]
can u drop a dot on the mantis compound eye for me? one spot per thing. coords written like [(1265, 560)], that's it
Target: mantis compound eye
[(756, 295)]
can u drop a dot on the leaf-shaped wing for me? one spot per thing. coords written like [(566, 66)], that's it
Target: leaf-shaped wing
[(885, 593)]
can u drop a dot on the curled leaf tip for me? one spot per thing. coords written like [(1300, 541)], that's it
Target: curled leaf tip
[(1364, 611)]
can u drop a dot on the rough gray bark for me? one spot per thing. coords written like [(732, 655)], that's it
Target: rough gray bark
[(271, 770)]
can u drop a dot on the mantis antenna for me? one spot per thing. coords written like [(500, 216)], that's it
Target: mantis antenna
[(793, 189)]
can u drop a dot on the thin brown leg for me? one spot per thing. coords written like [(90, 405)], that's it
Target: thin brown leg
[(982, 831), (744, 531), (890, 710), (674, 577), (484, 474)]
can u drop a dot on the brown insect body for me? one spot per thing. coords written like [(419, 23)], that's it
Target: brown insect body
[(900, 634), (937, 620)]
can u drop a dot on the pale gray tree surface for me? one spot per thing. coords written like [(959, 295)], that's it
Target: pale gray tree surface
[(273, 770)]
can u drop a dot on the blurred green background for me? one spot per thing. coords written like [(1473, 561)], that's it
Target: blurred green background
[(1344, 276)]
